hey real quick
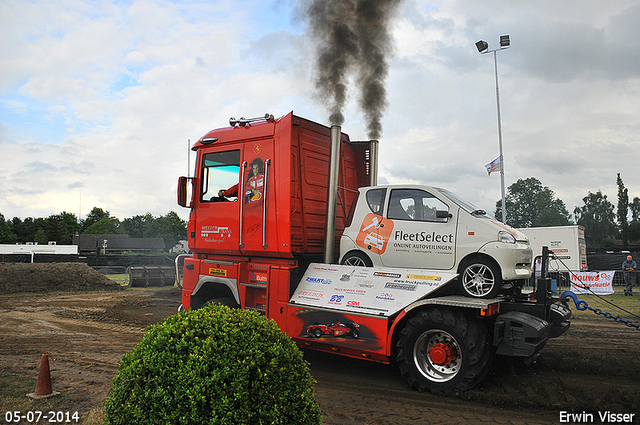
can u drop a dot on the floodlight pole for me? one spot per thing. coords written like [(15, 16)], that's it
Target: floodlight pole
[(484, 48), (504, 206)]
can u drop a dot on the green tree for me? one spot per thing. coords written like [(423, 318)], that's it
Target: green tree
[(623, 210), (40, 231), (94, 216), (634, 206), (41, 237), (598, 219), (172, 229), (169, 227), (106, 225), (55, 229), (6, 231), (634, 225), (135, 226), (71, 225), (24, 230), (61, 227), (530, 204)]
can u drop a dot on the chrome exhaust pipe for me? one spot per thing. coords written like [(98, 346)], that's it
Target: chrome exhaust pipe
[(373, 162), (332, 193)]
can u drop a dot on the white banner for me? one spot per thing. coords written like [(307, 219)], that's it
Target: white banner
[(592, 283), (371, 290)]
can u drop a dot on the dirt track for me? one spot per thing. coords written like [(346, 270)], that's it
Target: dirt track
[(594, 367)]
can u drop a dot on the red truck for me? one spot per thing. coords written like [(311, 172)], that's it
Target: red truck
[(269, 201)]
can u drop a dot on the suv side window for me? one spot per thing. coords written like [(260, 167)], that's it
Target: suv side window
[(415, 205), (375, 200)]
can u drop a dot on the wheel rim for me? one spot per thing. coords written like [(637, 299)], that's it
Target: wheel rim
[(437, 355), (355, 261), (478, 280)]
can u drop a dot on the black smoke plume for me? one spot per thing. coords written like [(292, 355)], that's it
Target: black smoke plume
[(353, 39)]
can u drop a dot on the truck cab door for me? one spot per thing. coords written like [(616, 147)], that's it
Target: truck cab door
[(217, 213), (256, 196), (424, 230)]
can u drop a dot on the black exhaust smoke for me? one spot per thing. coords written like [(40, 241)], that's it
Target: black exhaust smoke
[(353, 39)]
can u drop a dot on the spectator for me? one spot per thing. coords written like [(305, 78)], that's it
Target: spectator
[(629, 272)]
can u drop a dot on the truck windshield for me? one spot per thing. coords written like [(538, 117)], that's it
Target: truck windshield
[(467, 206), (220, 172)]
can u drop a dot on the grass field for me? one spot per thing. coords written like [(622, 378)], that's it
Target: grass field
[(122, 279)]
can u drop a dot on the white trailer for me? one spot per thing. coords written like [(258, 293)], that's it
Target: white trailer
[(566, 242), (34, 248)]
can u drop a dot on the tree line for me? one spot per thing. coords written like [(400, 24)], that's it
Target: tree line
[(61, 228), (530, 204)]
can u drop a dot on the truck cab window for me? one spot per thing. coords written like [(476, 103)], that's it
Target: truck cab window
[(415, 205), (220, 172)]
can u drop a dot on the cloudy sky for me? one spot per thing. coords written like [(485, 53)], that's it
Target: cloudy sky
[(98, 99)]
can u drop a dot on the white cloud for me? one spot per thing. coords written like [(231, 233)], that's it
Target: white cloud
[(98, 99)]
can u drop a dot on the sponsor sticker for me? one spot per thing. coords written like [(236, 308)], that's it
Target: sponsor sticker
[(258, 277), (336, 299), (319, 280), (400, 286), (217, 272), (424, 277), (385, 296), (391, 275)]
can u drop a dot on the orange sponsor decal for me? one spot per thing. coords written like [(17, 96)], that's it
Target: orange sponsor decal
[(374, 234)]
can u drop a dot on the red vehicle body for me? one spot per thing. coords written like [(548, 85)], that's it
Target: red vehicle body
[(259, 211), (251, 253)]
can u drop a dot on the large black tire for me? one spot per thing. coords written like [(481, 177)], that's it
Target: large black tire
[(356, 258), (479, 278), (443, 350)]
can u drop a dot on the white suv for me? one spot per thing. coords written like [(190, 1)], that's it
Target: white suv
[(431, 228)]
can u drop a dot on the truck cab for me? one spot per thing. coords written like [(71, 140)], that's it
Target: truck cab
[(431, 228)]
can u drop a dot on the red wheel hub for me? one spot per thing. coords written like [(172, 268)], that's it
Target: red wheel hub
[(442, 354)]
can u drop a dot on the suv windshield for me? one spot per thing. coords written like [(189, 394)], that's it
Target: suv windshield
[(465, 205)]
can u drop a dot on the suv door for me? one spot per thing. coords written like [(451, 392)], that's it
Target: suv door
[(424, 230)]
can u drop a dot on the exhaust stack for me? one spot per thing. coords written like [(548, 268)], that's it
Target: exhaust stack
[(373, 162), (332, 193)]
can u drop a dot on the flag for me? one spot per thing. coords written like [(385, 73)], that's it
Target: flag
[(493, 166)]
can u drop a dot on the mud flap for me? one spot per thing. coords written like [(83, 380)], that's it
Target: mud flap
[(520, 334)]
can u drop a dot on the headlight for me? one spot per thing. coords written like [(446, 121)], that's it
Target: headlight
[(506, 237)]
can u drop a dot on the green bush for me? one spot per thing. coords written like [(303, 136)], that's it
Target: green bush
[(213, 366)]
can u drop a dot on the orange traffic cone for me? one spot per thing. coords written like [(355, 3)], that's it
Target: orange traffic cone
[(43, 387)]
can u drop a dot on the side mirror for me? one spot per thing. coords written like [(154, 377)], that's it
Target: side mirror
[(182, 192), (443, 214)]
